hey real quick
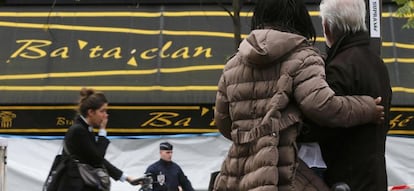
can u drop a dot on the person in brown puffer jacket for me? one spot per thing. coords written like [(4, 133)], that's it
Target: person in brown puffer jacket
[(274, 80)]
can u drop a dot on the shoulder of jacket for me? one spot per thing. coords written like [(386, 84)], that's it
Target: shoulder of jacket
[(176, 165), (232, 62), (154, 165), (307, 51), (77, 127), (301, 57)]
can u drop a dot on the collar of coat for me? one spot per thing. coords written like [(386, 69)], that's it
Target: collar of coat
[(80, 119), (164, 162), (348, 40)]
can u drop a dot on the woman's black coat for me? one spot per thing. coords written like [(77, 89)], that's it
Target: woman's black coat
[(87, 148)]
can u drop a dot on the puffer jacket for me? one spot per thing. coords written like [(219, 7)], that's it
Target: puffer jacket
[(264, 90)]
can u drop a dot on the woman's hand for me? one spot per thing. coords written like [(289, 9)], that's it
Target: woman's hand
[(144, 181), (103, 123), (380, 110), (134, 181)]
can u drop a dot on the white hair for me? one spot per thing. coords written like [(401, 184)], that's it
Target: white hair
[(343, 16)]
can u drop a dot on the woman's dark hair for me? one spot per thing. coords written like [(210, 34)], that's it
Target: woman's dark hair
[(285, 15), (90, 100)]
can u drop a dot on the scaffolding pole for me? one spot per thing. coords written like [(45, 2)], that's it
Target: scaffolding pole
[(3, 162)]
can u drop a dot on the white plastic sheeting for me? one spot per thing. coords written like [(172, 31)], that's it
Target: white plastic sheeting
[(400, 157), (29, 160)]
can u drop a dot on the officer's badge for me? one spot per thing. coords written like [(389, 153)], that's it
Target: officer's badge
[(161, 179)]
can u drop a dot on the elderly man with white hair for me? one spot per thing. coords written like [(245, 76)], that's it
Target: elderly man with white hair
[(355, 155)]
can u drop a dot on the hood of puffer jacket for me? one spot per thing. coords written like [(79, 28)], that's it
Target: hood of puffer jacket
[(265, 46)]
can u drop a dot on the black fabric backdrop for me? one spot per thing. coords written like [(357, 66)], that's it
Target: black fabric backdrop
[(142, 56)]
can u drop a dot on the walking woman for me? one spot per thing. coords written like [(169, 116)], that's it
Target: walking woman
[(83, 145), (266, 88)]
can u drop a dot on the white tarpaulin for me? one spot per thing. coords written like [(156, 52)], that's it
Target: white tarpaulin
[(400, 157), (29, 160)]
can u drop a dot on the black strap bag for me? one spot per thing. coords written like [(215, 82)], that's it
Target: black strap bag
[(55, 173), (96, 177)]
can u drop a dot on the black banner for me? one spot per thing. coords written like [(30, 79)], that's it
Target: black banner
[(123, 120), (123, 2), (159, 61), (145, 55), (143, 120)]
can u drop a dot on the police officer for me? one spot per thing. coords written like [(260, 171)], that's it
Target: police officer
[(167, 175)]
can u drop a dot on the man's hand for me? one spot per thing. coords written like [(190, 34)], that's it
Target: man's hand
[(380, 111)]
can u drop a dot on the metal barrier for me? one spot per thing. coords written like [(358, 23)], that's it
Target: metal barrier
[(3, 162)]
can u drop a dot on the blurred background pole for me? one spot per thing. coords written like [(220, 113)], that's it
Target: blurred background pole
[(3, 162), (373, 20)]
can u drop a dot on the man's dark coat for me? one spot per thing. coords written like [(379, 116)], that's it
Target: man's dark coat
[(356, 155)]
